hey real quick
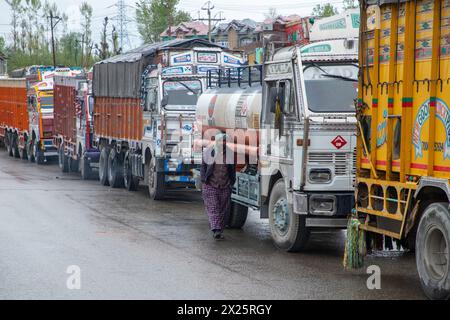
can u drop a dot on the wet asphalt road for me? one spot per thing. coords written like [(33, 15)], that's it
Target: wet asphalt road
[(129, 247)]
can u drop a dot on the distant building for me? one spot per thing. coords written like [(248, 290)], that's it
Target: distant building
[(275, 29), (297, 32), (236, 34), (3, 69), (186, 30)]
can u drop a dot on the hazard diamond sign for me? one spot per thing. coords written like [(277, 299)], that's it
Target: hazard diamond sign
[(339, 142)]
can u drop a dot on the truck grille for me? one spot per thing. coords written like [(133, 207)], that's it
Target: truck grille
[(343, 163)]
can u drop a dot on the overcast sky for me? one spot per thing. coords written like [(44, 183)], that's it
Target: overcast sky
[(232, 9)]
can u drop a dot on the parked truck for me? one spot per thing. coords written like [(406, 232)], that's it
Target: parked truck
[(27, 108), (403, 173), (73, 133), (291, 122), (14, 121), (27, 114), (144, 113)]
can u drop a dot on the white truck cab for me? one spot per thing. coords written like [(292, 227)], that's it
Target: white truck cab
[(301, 107)]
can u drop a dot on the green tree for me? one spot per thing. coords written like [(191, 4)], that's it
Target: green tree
[(86, 22), (16, 9), (2, 46), (69, 53), (323, 11), (116, 49), (155, 16), (103, 49), (350, 4)]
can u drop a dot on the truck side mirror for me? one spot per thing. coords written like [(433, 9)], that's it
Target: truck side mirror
[(273, 97), (286, 109), (165, 101), (282, 99)]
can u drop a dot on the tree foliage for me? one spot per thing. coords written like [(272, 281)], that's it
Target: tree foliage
[(155, 16), (86, 43), (350, 4), (30, 40), (325, 10)]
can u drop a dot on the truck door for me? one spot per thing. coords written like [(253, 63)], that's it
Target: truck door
[(280, 118)]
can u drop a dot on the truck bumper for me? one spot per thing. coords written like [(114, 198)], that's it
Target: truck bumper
[(49, 148), (338, 223), (177, 174), (326, 210)]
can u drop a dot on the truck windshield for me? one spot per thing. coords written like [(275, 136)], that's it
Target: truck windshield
[(331, 88), (182, 93)]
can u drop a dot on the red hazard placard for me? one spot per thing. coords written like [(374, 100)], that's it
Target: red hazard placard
[(339, 142)]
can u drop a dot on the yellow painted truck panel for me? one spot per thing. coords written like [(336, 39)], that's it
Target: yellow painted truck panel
[(403, 107)]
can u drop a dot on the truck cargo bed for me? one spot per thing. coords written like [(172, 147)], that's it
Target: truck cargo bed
[(13, 105)]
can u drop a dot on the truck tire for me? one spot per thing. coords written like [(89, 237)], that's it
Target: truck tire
[(433, 251), (85, 168), (23, 153), (156, 182), (103, 167), (237, 216), (30, 151), (131, 182), (73, 165), (63, 161), (115, 169), (288, 230), (8, 144), (39, 154), (15, 146)]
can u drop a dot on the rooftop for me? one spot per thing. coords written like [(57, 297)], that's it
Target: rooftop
[(193, 28)]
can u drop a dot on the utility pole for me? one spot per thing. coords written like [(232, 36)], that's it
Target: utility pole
[(53, 26), (208, 6)]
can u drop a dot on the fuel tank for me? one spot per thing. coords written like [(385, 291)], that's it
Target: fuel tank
[(235, 111), (230, 108)]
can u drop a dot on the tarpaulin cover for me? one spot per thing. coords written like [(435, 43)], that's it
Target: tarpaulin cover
[(120, 76)]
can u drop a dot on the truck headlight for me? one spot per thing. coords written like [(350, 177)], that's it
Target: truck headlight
[(323, 205), (320, 176)]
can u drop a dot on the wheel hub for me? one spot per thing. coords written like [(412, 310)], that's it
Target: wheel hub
[(281, 216), (436, 257)]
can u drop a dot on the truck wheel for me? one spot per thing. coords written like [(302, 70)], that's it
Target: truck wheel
[(238, 216), (103, 167), (30, 151), (39, 155), (73, 165), (15, 146), (8, 144), (288, 230), (63, 161), (85, 167), (433, 251), (23, 153), (131, 182), (115, 168), (156, 182)]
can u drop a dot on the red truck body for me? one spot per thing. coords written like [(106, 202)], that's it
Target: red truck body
[(65, 113), (119, 118), (13, 106)]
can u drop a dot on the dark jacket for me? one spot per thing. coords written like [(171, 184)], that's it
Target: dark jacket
[(206, 169)]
